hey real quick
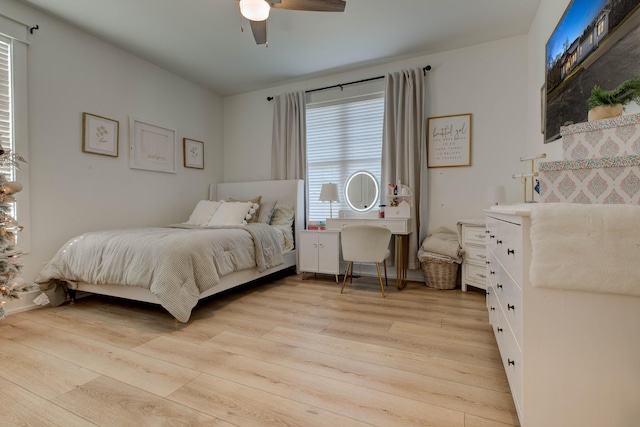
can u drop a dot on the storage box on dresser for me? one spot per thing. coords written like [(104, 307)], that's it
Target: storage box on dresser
[(571, 357), (600, 163), (473, 239)]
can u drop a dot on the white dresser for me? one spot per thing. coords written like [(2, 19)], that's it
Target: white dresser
[(320, 252), (572, 358), (473, 239)]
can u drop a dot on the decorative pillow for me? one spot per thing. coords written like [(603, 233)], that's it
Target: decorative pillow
[(283, 217), (233, 213), (265, 213), (256, 200), (287, 234), (203, 212)]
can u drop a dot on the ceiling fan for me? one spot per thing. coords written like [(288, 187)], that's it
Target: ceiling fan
[(257, 12)]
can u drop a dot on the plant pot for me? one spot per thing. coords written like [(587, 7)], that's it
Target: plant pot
[(605, 111)]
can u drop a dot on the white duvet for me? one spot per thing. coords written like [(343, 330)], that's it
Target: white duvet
[(175, 264)]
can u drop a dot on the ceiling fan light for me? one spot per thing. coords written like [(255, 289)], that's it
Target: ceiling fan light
[(255, 10)]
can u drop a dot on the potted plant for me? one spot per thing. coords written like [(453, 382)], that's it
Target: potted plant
[(610, 103)]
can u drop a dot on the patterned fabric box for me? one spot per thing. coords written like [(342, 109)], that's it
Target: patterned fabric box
[(606, 180), (614, 137)]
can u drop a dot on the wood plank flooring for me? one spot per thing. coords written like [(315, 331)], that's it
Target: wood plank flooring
[(281, 352)]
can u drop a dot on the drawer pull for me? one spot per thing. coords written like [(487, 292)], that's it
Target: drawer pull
[(499, 329), (510, 251), (499, 242), (511, 307), (487, 232), (492, 273), (499, 286), (511, 362), (488, 262), (493, 309), (321, 245), (492, 236), (315, 245)]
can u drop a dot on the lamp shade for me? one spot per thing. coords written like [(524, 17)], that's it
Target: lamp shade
[(255, 10), (496, 195), (329, 193)]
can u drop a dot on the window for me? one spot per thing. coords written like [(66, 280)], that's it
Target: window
[(13, 114), (6, 108), (600, 27), (343, 136)]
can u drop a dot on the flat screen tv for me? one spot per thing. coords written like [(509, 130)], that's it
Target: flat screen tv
[(597, 42)]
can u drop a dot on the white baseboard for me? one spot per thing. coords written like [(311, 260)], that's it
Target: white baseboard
[(23, 303)]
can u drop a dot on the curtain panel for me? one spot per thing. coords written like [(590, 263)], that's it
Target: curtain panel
[(403, 136), (289, 141)]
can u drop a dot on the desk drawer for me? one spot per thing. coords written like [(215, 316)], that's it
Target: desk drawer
[(396, 226)]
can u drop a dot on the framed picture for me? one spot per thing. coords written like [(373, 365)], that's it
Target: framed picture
[(151, 147), (594, 43), (193, 153), (543, 99), (449, 141), (100, 135)]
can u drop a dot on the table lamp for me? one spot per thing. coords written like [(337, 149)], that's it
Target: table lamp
[(329, 193), (496, 195)]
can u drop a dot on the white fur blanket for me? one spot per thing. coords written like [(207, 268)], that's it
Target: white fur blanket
[(594, 248)]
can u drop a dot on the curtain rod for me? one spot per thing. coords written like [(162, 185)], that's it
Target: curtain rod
[(341, 85)]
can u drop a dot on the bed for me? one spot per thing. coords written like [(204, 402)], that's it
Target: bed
[(172, 289)]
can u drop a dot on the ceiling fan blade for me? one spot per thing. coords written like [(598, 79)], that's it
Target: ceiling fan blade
[(259, 29), (310, 5)]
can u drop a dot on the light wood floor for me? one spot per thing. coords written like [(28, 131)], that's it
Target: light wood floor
[(285, 352)]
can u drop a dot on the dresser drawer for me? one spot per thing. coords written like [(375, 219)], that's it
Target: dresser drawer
[(506, 243), (474, 235), (476, 254), (475, 274), (509, 296), (511, 357)]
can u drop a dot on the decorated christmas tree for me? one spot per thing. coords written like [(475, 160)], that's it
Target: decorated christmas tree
[(10, 262)]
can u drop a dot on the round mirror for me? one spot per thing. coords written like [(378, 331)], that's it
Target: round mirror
[(361, 191)]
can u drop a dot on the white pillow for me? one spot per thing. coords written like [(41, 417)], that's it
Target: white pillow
[(203, 212), (233, 213)]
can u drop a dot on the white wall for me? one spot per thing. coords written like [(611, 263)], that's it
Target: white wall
[(488, 80), (72, 192)]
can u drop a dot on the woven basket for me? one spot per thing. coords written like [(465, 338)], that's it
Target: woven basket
[(439, 272)]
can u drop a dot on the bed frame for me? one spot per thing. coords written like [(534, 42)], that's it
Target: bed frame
[(285, 191)]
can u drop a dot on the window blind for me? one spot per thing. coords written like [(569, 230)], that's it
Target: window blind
[(6, 130), (343, 137)]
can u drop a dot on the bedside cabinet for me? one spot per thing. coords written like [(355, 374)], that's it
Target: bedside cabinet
[(473, 239), (320, 252)]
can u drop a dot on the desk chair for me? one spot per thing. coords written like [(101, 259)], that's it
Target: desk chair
[(365, 243)]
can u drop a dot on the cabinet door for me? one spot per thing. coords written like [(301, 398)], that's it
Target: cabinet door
[(328, 253), (308, 251)]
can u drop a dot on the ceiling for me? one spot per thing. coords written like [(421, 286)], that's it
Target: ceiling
[(202, 41)]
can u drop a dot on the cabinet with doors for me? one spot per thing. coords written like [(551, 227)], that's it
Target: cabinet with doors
[(473, 239), (320, 252)]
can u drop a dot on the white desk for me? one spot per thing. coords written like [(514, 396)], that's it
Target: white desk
[(399, 227)]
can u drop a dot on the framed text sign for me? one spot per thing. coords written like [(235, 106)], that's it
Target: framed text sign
[(151, 147), (449, 141)]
